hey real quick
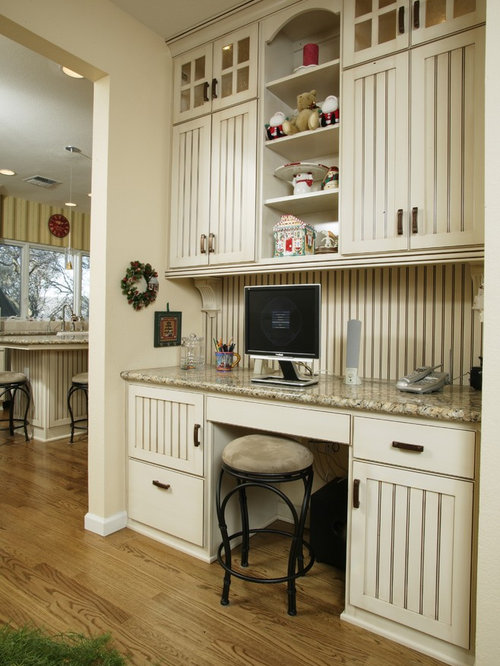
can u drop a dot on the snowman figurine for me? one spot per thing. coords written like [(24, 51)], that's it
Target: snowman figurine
[(302, 183)]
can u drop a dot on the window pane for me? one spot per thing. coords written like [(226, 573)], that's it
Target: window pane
[(10, 281), (463, 7), (387, 27), (362, 35), (84, 310), (243, 50), (435, 13), (227, 56), (362, 7), (50, 284)]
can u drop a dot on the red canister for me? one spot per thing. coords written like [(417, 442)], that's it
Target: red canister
[(310, 54)]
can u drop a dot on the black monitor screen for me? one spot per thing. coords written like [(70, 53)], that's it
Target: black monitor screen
[(283, 321)]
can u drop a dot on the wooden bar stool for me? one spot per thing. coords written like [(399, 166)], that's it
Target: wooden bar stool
[(11, 383), (79, 382), (262, 460)]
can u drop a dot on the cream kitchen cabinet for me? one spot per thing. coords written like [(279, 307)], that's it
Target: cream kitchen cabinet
[(415, 184), (213, 188), (166, 486), (214, 76), (374, 28), (412, 525)]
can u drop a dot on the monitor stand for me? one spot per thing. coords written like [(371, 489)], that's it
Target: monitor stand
[(291, 377)]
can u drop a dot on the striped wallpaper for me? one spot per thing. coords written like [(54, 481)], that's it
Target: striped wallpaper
[(411, 315), (27, 221)]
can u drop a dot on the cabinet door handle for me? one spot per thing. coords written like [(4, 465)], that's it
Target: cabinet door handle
[(416, 448), (196, 434), (355, 493), (416, 14), (400, 221), (203, 241), (159, 484), (211, 243), (214, 88), (401, 20), (414, 220), (206, 86)]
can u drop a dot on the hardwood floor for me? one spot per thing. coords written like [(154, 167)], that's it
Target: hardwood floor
[(160, 606)]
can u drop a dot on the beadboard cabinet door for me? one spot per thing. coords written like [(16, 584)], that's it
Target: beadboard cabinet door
[(213, 201), (412, 562)]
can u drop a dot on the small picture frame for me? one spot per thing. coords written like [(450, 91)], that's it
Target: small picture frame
[(168, 329)]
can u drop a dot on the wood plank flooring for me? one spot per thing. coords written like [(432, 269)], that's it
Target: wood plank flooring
[(160, 606)]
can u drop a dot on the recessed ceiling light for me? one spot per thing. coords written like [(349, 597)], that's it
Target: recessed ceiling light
[(7, 172), (70, 72)]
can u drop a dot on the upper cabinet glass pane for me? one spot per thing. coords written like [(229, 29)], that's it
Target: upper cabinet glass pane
[(227, 56), (363, 35), (462, 7), (199, 68), (387, 27), (435, 12), (186, 73), (243, 50), (363, 7), (385, 3)]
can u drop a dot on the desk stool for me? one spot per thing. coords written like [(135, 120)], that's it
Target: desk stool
[(79, 382), (11, 383), (262, 460)]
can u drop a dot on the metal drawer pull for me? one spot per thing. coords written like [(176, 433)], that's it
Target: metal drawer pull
[(211, 243), (196, 434), (416, 448), (400, 221), (355, 493), (214, 88), (203, 240), (416, 14), (159, 484), (401, 20), (414, 220)]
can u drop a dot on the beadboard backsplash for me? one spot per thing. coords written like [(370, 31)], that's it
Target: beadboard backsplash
[(411, 315)]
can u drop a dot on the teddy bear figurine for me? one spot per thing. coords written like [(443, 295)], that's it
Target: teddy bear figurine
[(330, 111), (274, 129), (306, 116)]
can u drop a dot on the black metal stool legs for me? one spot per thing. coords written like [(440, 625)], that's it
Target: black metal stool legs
[(295, 566), (14, 423), (75, 423)]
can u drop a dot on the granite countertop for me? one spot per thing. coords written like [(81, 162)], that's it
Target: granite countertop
[(42, 341), (453, 403)]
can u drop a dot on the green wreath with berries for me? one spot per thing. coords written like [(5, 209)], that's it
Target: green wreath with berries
[(136, 271)]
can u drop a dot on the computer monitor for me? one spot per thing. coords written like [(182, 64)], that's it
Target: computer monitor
[(283, 323)]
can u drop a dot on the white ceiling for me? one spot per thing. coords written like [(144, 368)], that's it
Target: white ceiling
[(42, 110)]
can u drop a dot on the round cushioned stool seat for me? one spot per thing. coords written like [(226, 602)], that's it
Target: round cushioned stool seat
[(82, 378), (265, 454), (7, 377)]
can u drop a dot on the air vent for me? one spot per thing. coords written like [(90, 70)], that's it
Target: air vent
[(41, 181)]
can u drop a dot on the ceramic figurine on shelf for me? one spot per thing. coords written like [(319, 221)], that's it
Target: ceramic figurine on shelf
[(331, 180), (330, 111), (274, 129), (302, 183), (328, 242)]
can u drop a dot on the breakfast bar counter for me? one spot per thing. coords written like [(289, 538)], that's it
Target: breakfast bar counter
[(49, 361)]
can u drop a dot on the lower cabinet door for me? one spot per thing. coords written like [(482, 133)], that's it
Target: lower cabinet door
[(166, 500), (412, 560)]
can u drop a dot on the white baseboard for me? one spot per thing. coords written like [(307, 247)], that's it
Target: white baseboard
[(105, 526)]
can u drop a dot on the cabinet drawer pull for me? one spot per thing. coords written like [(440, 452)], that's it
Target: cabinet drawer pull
[(416, 14), (196, 434), (203, 241), (214, 88), (159, 484), (414, 220), (416, 448), (355, 493), (401, 20), (211, 243), (400, 221), (206, 86)]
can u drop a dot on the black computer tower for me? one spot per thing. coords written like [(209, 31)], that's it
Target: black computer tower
[(328, 523)]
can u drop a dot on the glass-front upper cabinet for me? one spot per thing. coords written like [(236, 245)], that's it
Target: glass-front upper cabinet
[(374, 28), (215, 76)]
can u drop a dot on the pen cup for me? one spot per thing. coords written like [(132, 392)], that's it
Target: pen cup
[(226, 361)]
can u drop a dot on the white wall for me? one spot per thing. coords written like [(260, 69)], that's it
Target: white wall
[(131, 69), (488, 599)]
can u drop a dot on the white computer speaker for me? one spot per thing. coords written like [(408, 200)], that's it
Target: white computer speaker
[(352, 355)]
